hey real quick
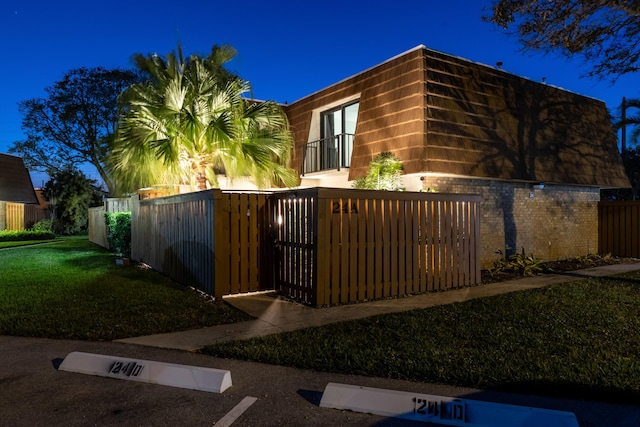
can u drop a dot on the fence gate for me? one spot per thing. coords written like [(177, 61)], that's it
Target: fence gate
[(241, 245), (293, 227)]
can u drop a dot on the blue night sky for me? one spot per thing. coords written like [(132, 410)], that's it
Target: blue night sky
[(286, 49)]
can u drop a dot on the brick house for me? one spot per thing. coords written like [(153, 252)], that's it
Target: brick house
[(538, 155)]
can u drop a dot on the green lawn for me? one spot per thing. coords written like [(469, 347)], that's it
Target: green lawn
[(578, 340), (4, 245), (73, 289)]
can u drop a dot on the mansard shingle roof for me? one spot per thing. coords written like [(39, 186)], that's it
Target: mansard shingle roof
[(15, 181), (443, 114)]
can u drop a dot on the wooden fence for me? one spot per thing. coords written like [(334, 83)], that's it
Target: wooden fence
[(210, 240), (122, 204), (319, 246), (97, 225), (20, 216), (338, 246), (34, 213), (14, 216), (243, 250), (619, 228)]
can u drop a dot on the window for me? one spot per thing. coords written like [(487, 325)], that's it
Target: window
[(337, 130)]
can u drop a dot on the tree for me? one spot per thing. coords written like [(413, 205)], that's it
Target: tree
[(191, 120), (75, 123), (604, 32), (385, 172), (73, 194), (631, 160), (628, 120)]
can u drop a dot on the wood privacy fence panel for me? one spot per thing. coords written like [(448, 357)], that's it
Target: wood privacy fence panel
[(619, 228), (97, 227), (338, 246), (14, 216), (209, 240), (242, 248), (33, 214), (382, 244), (175, 235)]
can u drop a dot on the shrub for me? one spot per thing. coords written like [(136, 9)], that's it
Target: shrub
[(526, 265), (23, 235), (70, 194), (119, 232), (43, 225), (385, 173)]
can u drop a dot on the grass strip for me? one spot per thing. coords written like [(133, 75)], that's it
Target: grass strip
[(5, 245), (73, 289), (579, 340)]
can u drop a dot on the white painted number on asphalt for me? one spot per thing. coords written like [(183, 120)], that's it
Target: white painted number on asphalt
[(239, 409)]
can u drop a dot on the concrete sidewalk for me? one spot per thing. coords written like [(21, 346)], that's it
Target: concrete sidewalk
[(274, 314)]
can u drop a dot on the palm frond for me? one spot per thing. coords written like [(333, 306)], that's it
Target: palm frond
[(192, 117)]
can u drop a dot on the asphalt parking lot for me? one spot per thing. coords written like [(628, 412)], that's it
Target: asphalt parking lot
[(34, 393)]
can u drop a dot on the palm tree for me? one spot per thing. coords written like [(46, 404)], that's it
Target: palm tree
[(385, 173), (627, 120), (191, 119)]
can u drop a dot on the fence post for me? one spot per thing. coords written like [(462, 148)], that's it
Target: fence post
[(221, 252)]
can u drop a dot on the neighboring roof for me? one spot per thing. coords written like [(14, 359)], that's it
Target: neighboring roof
[(15, 181), (40, 196), (444, 114)]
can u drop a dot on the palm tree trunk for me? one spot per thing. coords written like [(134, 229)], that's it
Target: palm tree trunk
[(201, 175), (201, 180)]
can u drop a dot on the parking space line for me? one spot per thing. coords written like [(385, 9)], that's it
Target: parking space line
[(238, 410)]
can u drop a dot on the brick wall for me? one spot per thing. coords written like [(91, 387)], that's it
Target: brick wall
[(552, 223)]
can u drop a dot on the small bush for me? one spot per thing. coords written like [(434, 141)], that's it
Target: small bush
[(23, 235), (43, 225), (526, 265), (385, 173), (119, 232)]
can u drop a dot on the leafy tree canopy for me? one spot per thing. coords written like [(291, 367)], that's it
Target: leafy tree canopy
[(191, 121), (75, 123), (385, 173), (70, 194), (604, 32)]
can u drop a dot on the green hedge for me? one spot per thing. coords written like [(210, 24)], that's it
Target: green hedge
[(119, 232), (19, 236)]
